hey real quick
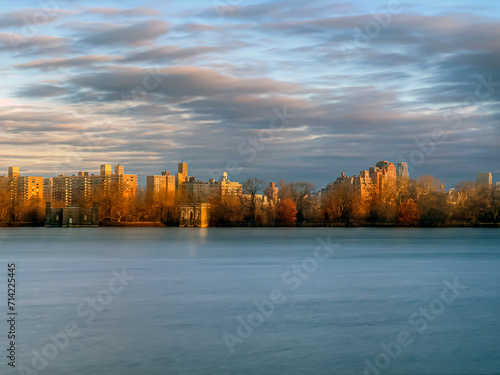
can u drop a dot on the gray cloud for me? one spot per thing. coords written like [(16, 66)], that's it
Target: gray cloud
[(29, 17), (19, 45), (180, 82), (136, 34), (196, 28), (41, 91), (120, 12), (166, 53), (274, 11), (75, 62)]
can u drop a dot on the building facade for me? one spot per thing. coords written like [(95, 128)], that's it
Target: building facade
[(484, 180), (403, 171), (161, 187), (81, 188), (373, 181), (71, 217), (23, 188), (194, 215)]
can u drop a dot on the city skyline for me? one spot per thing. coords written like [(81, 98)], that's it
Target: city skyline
[(400, 168), (306, 89)]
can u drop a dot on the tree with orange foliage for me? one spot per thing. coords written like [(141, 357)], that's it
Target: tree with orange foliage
[(287, 213), (409, 214)]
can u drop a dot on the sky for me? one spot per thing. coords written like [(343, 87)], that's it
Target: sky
[(293, 90)]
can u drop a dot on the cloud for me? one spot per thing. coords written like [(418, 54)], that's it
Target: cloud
[(273, 11), (36, 45), (120, 12), (41, 91), (75, 62), (166, 53), (130, 35), (32, 18), (179, 82), (196, 28), (36, 119)]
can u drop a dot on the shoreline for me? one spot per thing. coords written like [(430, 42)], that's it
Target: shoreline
[(161, 225)]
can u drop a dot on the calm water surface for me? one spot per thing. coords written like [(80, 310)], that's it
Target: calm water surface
[(190, 293)]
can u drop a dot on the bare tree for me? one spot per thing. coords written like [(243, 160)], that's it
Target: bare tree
[(300, 192), (340, 203), (251, 187)]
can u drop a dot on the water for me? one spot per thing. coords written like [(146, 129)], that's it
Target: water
[(191, 287)]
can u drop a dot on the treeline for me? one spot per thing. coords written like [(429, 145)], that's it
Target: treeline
[(420, 202)]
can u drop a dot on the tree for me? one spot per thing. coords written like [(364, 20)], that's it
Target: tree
[(140, 209), (425, 191), (5, 202), (470, 203), (113, 206), (270, 208), (493, 198), (225, 210), (287, 213), (300, 192), (409, 214), (249, 199), (340, 203)]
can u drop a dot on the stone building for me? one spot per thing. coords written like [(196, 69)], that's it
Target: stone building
[(194, 215), (71, 217)]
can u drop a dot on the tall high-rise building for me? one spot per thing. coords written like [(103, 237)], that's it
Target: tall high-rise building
[(105, 169), (375, 179), (156, 187), (29, 187), (119, 170), (182, 175), (82, 188), (23, 188), (161, 187), (484, 180), (403, 171), (48, 189), (127, 185), (272, 192), (14, 172), (183, 168)]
